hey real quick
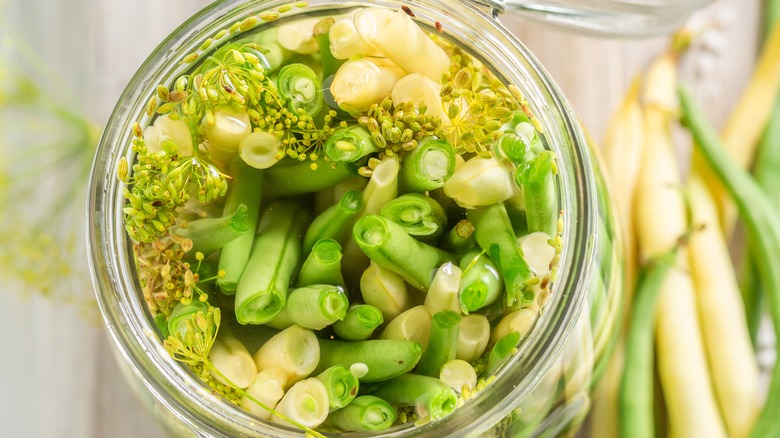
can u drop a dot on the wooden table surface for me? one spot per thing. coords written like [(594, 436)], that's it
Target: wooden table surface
[(58, 377)]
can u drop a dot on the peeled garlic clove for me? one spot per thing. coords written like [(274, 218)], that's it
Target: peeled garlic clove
[(520, 321), (402, 41), (362, 82), (166, 129), (458, 374), (480, 181), (267, 388), (473, 337), (233, 361), (294, 350), (260, 150), (346, 42), (305, 402), (298, 37), (537, 252), (226, 130), (420, 90)]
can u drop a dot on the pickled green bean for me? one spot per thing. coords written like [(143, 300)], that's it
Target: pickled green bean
[(262, 290), (246, 189)]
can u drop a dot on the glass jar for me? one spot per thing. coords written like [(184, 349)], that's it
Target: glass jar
[(544, 390), (630, 18)]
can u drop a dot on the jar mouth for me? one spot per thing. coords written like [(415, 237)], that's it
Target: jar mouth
[(111, 258)]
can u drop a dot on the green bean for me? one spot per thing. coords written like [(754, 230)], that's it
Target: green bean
[(323, 265), (334, 223), (341, 384), (417, 214), (365, 414), (246, 189), (359, 323), (313, 307), (512, 148), (387, 244), (537, 178), (761, 221), (291, 177), (521, 126), (765, 170), (210, 234), (350, 143), (461, 238), (430, 397), (495, 235), (636, 398), (428, 166), (300, 86), (442, 343), (480, 284), (385, 358), (262, 290), (502, 352)]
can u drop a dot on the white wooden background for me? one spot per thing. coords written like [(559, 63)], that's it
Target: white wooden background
[(57, 375)]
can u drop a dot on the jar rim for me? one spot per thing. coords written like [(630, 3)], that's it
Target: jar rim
[(110, 256)]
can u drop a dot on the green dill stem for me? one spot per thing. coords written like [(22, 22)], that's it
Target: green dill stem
[(430, 396), (761, 221), (313, 307), (335, 222), (442, 343), (210, 234), (323, 265), (366, 413), (359, 323), (291, 177), (341, 384), (385, 358), (245, 189), (262, 290), (300, 86), (537, 178), (501, 352), (461, 237), (636, 397), (495, 235), (321, 34), (387, 244), (418, 214), (428, 166), (350, 143), (480, 284)]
